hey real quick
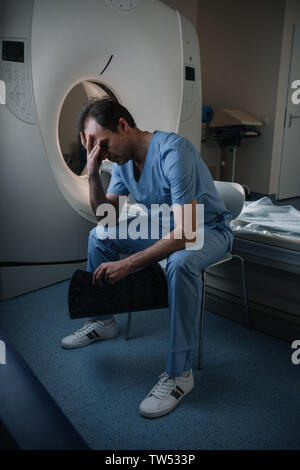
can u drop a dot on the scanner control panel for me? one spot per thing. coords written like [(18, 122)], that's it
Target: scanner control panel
[(191, 75), (14, 71)]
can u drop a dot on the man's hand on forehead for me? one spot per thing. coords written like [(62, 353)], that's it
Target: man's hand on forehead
[(90, 143)]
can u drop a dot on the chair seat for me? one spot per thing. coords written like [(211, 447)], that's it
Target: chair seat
[(227, 257), (163, 263)]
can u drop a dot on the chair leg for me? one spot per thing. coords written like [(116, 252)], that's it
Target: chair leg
[(128, 324), (202, 313), (244, 288)]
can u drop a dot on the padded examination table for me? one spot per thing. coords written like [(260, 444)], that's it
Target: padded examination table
[(28, 412)]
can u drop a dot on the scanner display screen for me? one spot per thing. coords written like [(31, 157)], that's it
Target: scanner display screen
[(190, 73), (13, 51)]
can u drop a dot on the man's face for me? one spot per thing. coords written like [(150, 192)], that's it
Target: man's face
[(114, 146)]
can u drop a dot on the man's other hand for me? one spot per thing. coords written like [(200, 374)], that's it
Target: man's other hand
[(111, 272)]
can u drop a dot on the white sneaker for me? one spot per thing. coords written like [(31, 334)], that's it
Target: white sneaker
[(166, 395), (93, 330)]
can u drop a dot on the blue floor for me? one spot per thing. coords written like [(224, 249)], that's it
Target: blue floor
[(246, 396)]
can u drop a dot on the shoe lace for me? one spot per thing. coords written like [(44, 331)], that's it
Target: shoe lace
[(87, 327), (163, 387)]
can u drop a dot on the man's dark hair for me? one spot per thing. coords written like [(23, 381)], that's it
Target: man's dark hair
[(106, 112)]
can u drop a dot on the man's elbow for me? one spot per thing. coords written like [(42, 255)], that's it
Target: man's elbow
[(107, 214), (181, 238)]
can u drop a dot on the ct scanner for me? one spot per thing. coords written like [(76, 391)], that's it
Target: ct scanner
[(54, 55)]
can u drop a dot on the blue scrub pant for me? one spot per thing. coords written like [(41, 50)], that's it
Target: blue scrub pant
[(183, 273)]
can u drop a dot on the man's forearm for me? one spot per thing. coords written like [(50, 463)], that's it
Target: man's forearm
[(158, 251), (97, 194)]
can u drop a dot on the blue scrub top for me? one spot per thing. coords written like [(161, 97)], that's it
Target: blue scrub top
[(173, 173)]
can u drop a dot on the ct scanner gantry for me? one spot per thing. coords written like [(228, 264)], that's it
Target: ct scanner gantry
[(54, 55)]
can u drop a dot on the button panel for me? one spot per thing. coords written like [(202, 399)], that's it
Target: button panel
[(190, 78), (188, 100), (18, 91), (191, 71)]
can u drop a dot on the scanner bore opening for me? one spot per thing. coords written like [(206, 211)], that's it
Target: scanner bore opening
[(74, 154)]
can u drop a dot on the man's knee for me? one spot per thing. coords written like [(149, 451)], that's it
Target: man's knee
[(187, 263), (95, 238), (93, 233), (179, 262)]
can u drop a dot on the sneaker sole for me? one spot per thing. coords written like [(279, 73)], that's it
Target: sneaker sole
[(157, 414), (76, 346)]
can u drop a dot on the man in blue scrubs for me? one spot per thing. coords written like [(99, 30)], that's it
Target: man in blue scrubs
[(155, 168)]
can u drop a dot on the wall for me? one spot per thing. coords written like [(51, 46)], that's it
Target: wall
[(240, 44), (292, 16)]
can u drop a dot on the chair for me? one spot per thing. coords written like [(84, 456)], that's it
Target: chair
[(234, 197)]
